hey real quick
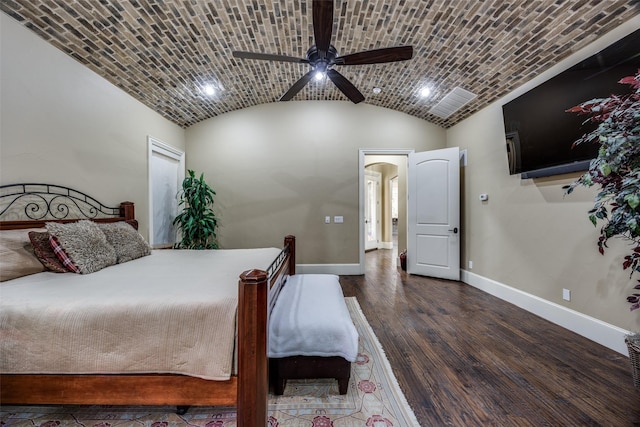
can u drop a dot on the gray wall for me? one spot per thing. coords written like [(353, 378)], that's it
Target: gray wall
[(281, 168)]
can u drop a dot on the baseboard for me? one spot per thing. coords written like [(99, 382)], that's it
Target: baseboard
[(589, 327), (339, 269), (385, 245)]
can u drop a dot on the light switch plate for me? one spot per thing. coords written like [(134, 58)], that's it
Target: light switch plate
[(338, 219)]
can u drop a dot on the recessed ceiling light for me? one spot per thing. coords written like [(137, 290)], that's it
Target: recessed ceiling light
[(209, 90), (425, 91), (377, 90)]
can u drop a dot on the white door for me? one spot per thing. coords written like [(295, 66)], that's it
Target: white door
[(372, 209), (166, 173), (434, 214)]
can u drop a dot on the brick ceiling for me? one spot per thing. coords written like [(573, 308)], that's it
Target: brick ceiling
[(163, 51)]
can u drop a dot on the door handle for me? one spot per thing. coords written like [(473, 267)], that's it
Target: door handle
[(454, 231)]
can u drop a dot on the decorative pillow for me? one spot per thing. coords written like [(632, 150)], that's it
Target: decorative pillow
[(62, 255), (126, 241), (85, 244), (16, 255), (44, 252)]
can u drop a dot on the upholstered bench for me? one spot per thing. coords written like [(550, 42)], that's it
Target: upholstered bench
[(311, 334)]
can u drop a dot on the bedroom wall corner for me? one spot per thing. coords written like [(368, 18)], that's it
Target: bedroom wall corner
[(62, 123)]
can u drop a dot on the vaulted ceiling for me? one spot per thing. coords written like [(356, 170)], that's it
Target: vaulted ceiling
[(163, 52)]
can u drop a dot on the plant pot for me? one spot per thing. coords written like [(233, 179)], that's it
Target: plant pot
[(403, 260), (633, 345)]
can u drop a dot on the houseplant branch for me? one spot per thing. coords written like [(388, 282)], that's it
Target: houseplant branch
[(616, 169)]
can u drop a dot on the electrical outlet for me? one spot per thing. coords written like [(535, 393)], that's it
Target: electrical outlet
[(470, 265), (566, 294)]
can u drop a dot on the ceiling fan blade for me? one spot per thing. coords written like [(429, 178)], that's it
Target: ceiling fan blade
[(268, 57), (345, 86), (297, 86), (377, 56), (322, 25)]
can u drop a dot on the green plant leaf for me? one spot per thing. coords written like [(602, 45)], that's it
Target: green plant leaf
[(633, 200), (196, 222)]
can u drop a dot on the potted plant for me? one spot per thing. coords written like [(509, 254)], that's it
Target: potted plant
[(197, 222), (617, 170)]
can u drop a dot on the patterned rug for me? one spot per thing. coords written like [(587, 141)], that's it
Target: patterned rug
[(374, 399)]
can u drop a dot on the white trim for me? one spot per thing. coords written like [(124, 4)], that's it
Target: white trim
[(165, 149), (339, 269), (154, 145), (589, 327), (361, 153), (385, 245)]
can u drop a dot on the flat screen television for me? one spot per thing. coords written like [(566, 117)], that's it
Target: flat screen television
[(540, 133)]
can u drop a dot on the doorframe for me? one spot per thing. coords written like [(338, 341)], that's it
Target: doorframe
[(361, 153)]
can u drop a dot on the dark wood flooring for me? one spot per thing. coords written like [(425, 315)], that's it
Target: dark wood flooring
[(465, 358)]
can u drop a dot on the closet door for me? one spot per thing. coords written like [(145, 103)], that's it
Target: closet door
[(166, 173)]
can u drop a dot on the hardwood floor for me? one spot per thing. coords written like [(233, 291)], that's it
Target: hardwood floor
[(465, 358)]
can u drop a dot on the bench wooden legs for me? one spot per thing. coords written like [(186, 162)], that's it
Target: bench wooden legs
[(305, 367)]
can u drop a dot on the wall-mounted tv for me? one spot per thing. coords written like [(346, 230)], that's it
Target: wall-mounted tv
[(540, 132)]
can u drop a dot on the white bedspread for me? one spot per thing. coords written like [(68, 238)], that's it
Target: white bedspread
[(171, 312), (310, 318)]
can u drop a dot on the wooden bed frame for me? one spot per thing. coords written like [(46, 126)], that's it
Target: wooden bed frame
[(247, 390)]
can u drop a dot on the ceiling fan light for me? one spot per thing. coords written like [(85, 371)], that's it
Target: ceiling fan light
[(319, 75)]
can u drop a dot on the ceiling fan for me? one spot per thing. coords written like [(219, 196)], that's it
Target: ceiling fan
[(323, 56)]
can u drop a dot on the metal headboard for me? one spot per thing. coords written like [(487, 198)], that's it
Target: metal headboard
[(26, 203)]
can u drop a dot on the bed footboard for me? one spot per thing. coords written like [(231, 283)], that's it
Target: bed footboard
[(253, 314), (253, 385)]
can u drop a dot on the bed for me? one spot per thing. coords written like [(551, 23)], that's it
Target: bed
[(29, 206)]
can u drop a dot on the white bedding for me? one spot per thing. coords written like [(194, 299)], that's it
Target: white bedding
[(171, 312), (310, 318)]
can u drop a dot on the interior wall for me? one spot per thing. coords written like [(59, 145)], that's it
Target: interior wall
[(528, 235), (296, 164), (64, 124)]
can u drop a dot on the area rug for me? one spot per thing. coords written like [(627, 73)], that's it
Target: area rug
[(374, 399)]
